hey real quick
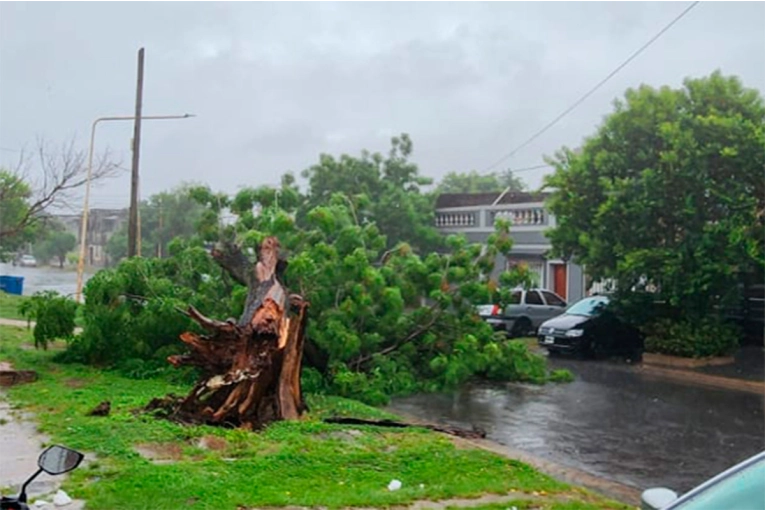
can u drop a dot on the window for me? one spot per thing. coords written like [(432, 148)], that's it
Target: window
[(589, 307), (552, 299), (533, 298)]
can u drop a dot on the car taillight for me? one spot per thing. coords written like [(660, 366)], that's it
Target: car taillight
[(495, 310)]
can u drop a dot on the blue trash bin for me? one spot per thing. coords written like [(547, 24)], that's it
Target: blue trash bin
[(12, 284)]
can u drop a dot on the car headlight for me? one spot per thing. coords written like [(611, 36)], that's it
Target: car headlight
[(574, 332)]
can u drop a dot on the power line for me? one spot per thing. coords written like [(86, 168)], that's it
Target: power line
[(528, 168), (595, 88)]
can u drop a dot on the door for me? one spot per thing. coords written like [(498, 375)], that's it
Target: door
[(555, 305), (559, 280), (534, 308)]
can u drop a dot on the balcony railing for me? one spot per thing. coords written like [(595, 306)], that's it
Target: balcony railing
[(457, 219), (535, 216)]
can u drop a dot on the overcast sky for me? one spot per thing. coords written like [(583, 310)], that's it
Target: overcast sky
[(273, 85)]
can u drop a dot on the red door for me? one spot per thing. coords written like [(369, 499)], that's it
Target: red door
[(559, 280)]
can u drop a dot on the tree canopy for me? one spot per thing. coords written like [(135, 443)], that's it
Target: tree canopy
[(386, 190), (474, 182), (55, 243), (669, 191), (164, 216)]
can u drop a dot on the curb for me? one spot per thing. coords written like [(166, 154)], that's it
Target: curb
[(712, 381), (686, 363)]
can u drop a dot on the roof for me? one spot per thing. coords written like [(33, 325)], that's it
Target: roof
[(447, 200)]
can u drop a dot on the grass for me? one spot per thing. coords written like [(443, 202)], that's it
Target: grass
[(9, 305), (9, 308), (304, 463)]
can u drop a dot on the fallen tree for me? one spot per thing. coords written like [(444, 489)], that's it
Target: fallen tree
[(250, 367)]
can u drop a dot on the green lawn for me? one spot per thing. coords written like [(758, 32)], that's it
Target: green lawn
[(9, 305), (303, 463)]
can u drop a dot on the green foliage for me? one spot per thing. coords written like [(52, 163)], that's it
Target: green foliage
[(387, 322), (131, 317), (474, 182), (561, 375), (383, 320), (53, 315), (55, 244), (693, 339), (164, 217), (384, 190), (16, 227), (669, 192)]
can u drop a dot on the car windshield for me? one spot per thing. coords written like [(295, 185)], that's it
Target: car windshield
[(588, 307), (744, 490)]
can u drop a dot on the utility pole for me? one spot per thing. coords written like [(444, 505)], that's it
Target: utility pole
[(133, 220), (159, 230)]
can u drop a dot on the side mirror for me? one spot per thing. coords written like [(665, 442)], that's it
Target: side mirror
[(656, 499), (58, 460)]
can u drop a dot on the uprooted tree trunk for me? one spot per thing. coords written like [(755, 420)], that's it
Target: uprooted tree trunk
[(250, 368)]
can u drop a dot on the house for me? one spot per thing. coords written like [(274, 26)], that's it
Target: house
[(474, 214), (102, 224)]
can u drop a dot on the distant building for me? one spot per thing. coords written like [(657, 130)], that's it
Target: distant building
[(474, 214), (102, 224)]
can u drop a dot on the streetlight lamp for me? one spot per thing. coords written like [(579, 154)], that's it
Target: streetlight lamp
[(85, 207)]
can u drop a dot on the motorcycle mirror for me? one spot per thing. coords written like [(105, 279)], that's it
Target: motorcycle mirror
[(58, 460)]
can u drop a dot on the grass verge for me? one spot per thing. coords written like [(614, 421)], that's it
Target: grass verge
[(303, 463), (9, 305)]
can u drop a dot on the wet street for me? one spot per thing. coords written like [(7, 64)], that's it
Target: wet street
[(613, 422), (36, 279)]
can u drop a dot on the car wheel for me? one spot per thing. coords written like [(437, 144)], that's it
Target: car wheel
[(553, 353), (521, 327)]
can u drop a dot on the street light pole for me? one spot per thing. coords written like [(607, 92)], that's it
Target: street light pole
[(86, 206)]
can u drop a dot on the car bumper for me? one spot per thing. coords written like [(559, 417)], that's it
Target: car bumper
[(561, 343), (496, 323)]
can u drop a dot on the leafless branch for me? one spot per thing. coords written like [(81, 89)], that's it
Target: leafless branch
[(53, 174)]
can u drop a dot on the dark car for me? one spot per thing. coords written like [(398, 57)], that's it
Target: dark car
[(589, 327)]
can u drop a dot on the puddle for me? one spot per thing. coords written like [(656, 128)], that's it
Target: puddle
[(21, 444)]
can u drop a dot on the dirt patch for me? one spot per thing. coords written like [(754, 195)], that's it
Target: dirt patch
[(160, 453), (74, 383), (213, 443)]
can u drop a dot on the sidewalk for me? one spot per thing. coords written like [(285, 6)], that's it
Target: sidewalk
[(745, 371)]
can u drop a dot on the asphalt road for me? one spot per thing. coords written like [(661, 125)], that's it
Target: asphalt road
[(613, 421)]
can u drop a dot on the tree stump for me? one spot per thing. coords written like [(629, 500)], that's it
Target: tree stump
[(250, 368)]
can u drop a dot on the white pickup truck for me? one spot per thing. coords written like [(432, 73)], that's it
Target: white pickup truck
[(526, 311)]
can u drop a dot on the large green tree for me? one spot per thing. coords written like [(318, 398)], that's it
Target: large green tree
[(474, 182), (386, 190), (55, 244), (669, 191)]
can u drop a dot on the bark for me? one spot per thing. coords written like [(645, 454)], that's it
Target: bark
[(250, 367)]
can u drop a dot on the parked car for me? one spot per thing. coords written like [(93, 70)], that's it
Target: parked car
[(589, 327), (28, 261), (741, 487), (525, 312)]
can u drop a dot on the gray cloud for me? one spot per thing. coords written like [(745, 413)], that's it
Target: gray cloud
[(275, 84)]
